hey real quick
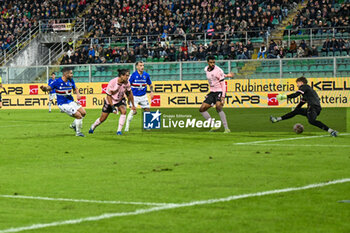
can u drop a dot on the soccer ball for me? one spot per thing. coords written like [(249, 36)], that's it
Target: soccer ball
[(298, 128)]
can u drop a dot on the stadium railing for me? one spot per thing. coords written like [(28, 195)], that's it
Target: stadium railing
[(311, 35), (20, 43), (204, 38), (58, 33), (316, 34), (54, 30), (245, 69)]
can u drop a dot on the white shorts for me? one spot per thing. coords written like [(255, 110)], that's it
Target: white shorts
[(70, 108), (52, 96), (142, 101)]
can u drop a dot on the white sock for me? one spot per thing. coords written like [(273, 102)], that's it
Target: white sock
[(50, 106), (206, 115), (330, 130), (279, 118), (97, 123), (130, 116), (78, 125), (223, 119), (121, 122)]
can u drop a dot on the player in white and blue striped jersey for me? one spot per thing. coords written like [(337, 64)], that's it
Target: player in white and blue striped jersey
[(52, 94), (64, 87), (139, 81)]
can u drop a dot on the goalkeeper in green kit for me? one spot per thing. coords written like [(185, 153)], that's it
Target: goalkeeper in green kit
[(313, 109)]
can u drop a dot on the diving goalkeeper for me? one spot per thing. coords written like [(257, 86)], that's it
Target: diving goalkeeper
[(313, 109)]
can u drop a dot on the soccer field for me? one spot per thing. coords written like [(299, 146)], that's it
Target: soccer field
[(273, 182)]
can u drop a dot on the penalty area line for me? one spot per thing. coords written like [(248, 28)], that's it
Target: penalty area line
[(285, 139), (170, 206), (82, 200)]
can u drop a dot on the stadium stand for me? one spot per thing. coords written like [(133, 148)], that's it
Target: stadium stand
[(325, 19), (155, 32), (17, 18), (328, 48), (167, 32), (163, 18), (126, 31)]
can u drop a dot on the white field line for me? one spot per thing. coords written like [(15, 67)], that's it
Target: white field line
[(286, 139), (83, 200), (295, 145), (170, 206)]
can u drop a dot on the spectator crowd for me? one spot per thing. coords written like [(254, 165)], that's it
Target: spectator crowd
[(162, 19), (321, 16), (17, 17), (191, 52), (184, 52), (330, 47), (176, 30)]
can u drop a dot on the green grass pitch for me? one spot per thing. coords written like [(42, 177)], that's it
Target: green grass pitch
[(41, 157)]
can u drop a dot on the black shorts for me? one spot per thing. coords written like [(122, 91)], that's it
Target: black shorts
[(213, 97), (108, 109), (313, 111)]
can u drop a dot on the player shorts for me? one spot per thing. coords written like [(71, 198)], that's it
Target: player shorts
[(70, 108), (108, 109), (52, 96), (313, 111), (142, 101), (213, 97)]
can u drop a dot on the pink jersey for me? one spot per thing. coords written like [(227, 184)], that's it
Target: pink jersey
[(116, 90), (216, 79)]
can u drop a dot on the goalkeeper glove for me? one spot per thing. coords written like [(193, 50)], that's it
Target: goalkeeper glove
[(281, 97)]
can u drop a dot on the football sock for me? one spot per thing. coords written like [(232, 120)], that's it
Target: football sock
[(130, 116), (121, 122), (223, 119), (97, 123), (330, 130), (206, 115), (279, 118), (50, 106), (78, 125)]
